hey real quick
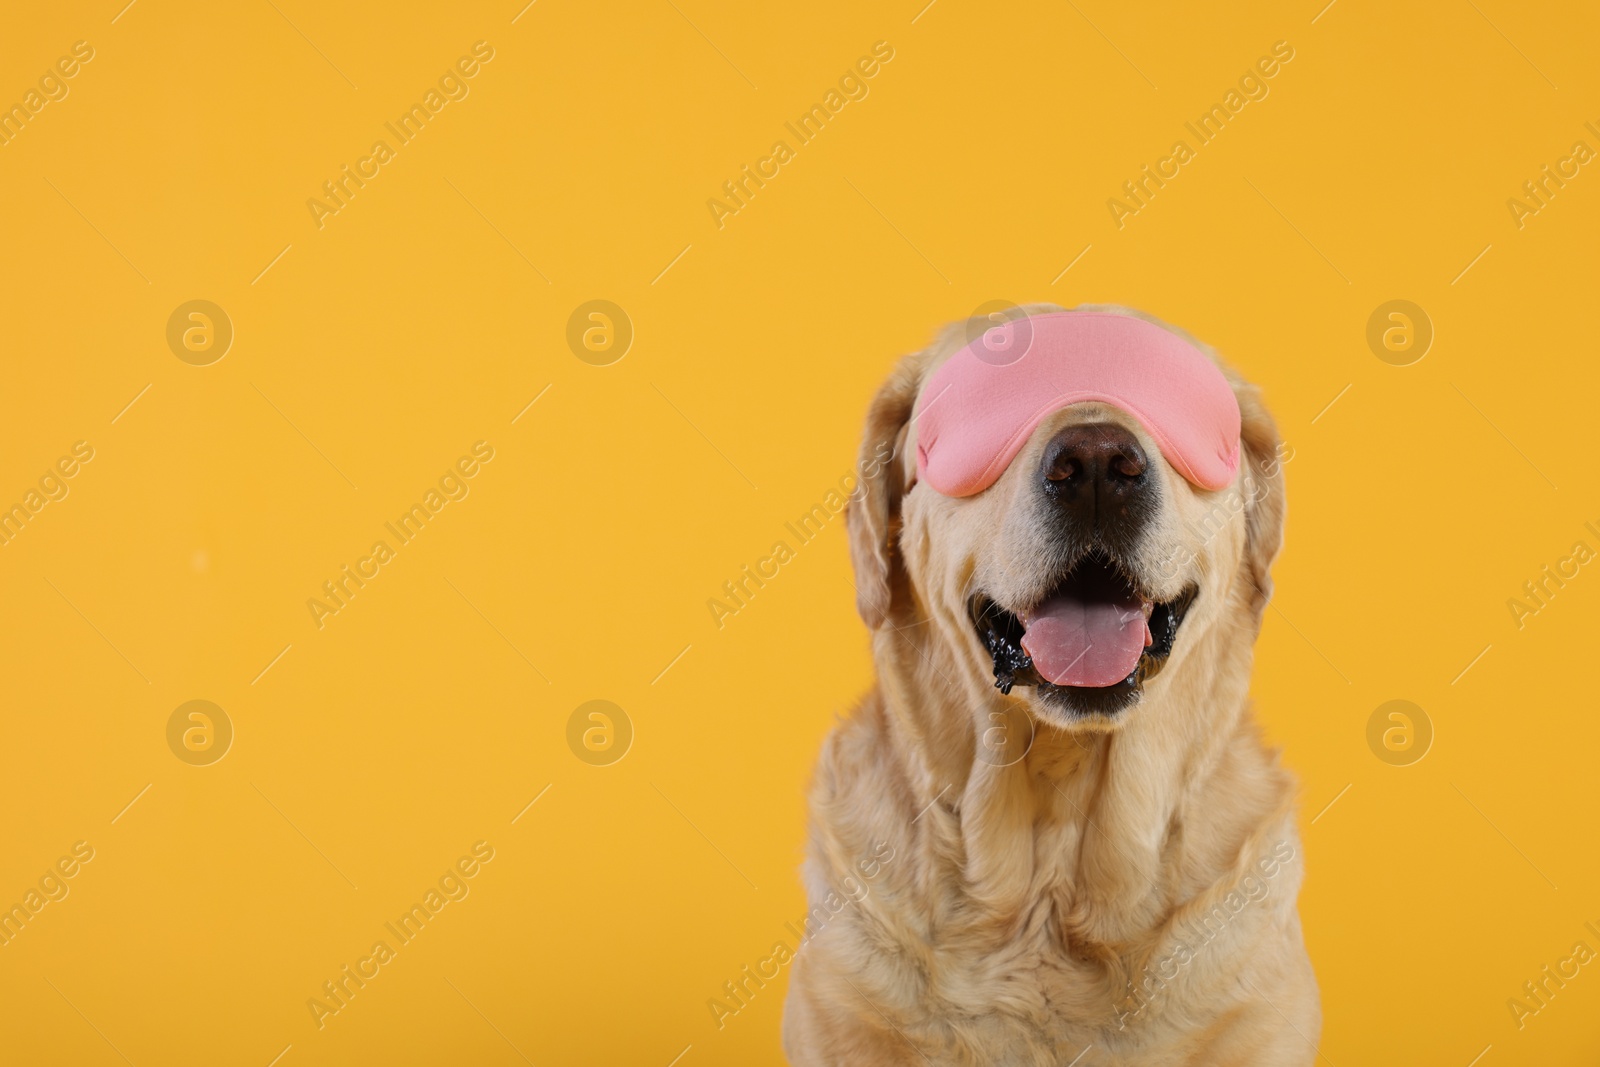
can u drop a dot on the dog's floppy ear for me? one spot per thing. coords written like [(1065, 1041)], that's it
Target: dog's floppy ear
[(1263, 456), (873, 514)]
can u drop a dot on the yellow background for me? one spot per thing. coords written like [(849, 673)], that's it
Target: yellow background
[(428, 713)]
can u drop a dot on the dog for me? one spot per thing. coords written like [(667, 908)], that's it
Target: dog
[(1009, 870)]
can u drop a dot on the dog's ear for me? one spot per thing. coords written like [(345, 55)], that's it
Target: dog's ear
[(873, 513), (1262, 456)]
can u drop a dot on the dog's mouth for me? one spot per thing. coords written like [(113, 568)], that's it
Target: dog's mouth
[(1090, 643)]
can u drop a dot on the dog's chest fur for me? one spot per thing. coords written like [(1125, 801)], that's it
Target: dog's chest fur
[(1025, 975), (1012, 926)]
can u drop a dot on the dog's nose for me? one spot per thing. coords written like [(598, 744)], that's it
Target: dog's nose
[(1096, 472)]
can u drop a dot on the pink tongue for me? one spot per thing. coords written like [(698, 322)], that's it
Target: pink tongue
[(1086, 643)]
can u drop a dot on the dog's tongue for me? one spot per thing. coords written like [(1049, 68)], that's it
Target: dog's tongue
[(1092, 643)]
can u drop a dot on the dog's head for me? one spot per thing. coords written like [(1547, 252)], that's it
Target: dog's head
[(1078, 579)]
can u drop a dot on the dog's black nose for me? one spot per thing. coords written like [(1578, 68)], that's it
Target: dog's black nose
[(1096, 473)]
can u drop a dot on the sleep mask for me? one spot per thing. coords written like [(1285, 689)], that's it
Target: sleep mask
[(980, 407)]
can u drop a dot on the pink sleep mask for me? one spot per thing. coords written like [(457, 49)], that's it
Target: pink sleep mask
[(980, 407)]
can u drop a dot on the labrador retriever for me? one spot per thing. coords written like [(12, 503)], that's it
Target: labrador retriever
[(1068, 868)]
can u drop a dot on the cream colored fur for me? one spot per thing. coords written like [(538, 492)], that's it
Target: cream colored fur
[(1056, 890)]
